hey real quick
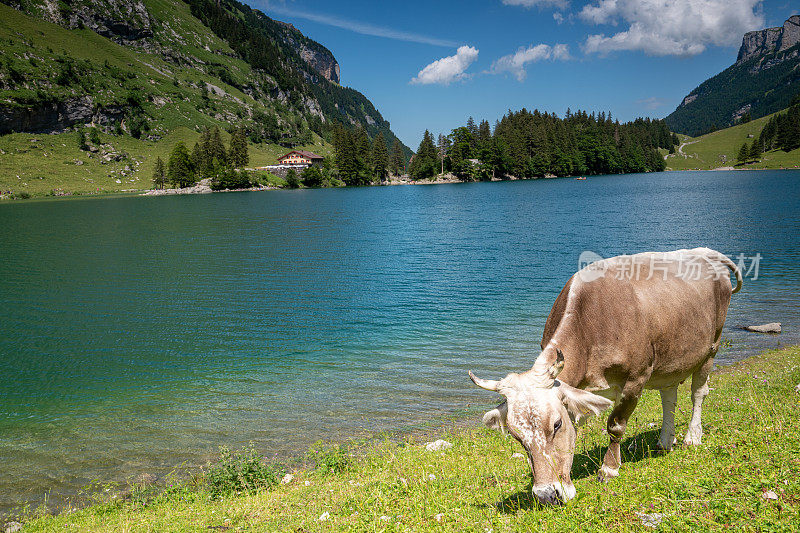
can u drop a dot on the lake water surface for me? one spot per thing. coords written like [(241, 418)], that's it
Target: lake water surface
[(138, 333)]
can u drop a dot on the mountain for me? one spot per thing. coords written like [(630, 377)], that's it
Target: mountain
[(763, 80), (145, 68)]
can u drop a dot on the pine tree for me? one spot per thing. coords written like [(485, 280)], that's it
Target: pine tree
[(363, 157), (238, 150), (424, 163), (755, 151), (159, 176), (179, 168), (473, 130), (379, 157), (744, 153), (345, 152), (216, 148), (484, 134), (198, 159), (397, 164)]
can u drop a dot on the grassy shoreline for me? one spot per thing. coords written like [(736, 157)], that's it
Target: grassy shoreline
[(752, 436), (268, 186)]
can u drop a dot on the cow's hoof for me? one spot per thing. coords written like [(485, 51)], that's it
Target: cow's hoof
[(662, 447), (606, 474), (693, 440)]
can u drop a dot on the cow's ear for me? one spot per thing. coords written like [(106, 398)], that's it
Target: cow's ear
[(496, 418), (580, 404)]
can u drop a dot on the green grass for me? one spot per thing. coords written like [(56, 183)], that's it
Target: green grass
[(40, 164), (719, 149), (751, 443)]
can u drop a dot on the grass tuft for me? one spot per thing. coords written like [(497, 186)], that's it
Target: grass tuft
[(241, 472)]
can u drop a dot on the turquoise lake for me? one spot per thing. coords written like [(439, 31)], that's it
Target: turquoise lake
[(139, 333)]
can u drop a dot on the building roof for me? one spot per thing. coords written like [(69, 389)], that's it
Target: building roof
[(304, 153)]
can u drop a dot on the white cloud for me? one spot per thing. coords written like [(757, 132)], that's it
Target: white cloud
[(675, 27), (515, 63), (448, 69), (558, 17), (560, 4), (652, 103), (355, 26)]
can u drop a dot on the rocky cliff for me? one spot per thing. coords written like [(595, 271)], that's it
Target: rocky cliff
[(762, 42), (763, 80), (316, 55)]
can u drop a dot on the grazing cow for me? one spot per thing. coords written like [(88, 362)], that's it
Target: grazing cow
[(619, 326)]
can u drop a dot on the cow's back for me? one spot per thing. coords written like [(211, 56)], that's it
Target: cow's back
[(650, 319)]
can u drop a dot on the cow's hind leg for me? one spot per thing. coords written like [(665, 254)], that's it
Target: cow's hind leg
[(617, 421), (699, 391), (669, 401)]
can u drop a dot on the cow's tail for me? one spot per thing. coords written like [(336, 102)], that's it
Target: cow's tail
[(725, 260)]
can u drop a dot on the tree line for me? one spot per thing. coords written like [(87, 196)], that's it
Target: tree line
[(361, 161), (782, 131), (208, 159), (529, 144)]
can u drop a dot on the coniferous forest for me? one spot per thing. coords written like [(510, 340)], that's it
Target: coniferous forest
[(530, 144), (782, 132)]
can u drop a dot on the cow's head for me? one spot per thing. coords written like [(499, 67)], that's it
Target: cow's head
[(541, 413)]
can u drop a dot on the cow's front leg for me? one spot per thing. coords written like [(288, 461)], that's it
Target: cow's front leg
[(699, 391), (617, 421), (669, 400)]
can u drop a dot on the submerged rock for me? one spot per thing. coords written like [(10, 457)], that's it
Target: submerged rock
[(772, 327), (145, 479)]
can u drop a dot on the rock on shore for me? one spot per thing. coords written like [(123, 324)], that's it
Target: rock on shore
[(201, 187)]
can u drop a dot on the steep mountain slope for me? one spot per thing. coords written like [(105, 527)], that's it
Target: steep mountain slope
[(763, 80), (146, 67)]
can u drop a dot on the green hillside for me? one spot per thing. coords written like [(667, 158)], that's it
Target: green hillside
[(719, 150), (148, 73)]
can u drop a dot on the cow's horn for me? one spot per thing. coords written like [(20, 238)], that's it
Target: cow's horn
[(488, 384), (558, 366)]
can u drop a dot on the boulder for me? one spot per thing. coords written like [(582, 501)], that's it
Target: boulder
[(651, 520), (772, 327), (438, 445)]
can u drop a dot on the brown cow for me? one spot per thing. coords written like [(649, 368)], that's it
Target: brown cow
[(619, 326)]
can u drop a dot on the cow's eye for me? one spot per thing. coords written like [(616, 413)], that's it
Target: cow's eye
[(557, 425)]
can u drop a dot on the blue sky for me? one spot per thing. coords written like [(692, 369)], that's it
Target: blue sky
[(432, 65)]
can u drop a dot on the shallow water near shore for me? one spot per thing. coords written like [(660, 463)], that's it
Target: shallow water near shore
[(140, 333)]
